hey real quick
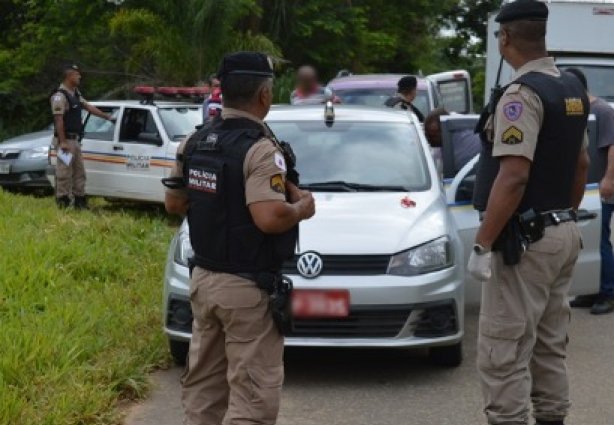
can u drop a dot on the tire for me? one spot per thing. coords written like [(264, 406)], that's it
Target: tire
[(447, 356), (179, 351)]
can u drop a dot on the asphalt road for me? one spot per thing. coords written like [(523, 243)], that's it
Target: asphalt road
[(371, 387)]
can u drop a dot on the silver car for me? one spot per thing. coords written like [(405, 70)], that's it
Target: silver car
[(23, 160), (381, 264)]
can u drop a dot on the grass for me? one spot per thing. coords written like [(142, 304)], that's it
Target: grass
[(80, 309)]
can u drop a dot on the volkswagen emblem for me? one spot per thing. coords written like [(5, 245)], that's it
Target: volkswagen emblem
[(309, 265)]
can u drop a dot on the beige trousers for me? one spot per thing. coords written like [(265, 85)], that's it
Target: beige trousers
[(235, 367), (522, 337), (70, 179)]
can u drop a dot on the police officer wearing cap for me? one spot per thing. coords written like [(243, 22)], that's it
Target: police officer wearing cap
[(243, 214), (530, 181), (67, 104)]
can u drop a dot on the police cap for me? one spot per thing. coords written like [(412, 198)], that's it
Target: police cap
[(526, 10), (245, 63), (71, 67)]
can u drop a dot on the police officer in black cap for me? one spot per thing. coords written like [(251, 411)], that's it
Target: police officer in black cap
[(530, 182), (243, 213)]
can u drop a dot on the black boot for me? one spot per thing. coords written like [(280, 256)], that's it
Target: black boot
[(549, 422), (80, 202), (63, 201)]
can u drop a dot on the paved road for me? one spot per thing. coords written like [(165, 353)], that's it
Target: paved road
[(369, 387)]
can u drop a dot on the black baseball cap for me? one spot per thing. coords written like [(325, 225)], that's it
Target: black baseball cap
[(245, 63), (523, 10)]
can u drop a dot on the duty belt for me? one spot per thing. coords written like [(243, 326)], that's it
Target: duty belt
[(73, 136), (554, 218)]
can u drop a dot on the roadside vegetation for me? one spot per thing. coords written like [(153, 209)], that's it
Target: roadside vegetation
[(80, 309)]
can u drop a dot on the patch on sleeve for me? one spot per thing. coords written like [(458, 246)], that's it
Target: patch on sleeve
[(512, 136), (280, 162), (574, 106), (513, 110), (278, 183)]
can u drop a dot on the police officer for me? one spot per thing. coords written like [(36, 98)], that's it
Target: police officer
[(243, 214), (530, 182), (407, 90), (66, 105)]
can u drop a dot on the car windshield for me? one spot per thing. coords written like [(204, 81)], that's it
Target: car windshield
[(356, 156), (600, 80), (376, 97), (180, 121)]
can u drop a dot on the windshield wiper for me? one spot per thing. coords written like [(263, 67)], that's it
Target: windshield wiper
[(342, 186)]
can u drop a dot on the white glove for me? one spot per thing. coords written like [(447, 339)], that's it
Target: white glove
[(480, 266)]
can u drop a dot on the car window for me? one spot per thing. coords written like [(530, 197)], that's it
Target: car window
[(365, 153), (180, 121), (377, 97), (600, 80), (138, 126), (455, 94), (97, 128)]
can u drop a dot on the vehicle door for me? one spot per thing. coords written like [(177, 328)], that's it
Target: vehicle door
[(99, 137), (459, 194), (140, 143), (455, 90)]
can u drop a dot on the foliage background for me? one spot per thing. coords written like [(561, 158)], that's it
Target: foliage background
[(120, 43)]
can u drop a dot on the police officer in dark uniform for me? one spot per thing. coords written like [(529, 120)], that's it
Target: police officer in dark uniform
[(238, 187), (407, 90), (67, 104), (530, 182)]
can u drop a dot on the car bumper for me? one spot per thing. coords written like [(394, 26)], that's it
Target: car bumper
[(385, 311), (26, 173)]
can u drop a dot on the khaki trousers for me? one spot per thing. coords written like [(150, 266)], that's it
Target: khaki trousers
[(235, 367), (522, 338), (70, 179)]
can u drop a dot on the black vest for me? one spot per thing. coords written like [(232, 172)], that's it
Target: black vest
[(222, 231), (559, 143), (72, 117)]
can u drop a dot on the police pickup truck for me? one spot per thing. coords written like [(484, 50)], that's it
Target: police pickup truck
[(127, 159)]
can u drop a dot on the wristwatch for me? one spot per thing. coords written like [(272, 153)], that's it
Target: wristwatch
[(480, 250)]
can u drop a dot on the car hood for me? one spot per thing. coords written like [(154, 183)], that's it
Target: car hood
[(373, 223), (28, 141)]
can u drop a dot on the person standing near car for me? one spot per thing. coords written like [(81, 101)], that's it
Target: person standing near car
[(243, 211), (530, 182), (602, 302), (67, 104), (407, 90)]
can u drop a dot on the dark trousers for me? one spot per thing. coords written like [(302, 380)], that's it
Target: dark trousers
[(607, 255)]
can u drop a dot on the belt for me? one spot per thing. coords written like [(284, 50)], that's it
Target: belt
[(554, 218), (73, 136)]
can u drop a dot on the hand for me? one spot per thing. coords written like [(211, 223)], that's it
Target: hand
[(294, 193), (307, 205), (480, 266), (112, 119), (65, 146), (606, 188)]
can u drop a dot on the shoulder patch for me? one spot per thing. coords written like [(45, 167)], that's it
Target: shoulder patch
[(512, 136), (278, 184), (513, 110), (280, 162)]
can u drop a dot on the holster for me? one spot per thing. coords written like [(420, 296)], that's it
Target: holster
[(511, 243), (279, 288)]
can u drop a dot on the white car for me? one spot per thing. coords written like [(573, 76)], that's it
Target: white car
[(126, 160)]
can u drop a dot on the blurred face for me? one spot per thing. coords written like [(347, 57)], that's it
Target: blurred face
[(215, 83), (433, 133), (306, 78), (503, 39), (73, 78), (265, 99)]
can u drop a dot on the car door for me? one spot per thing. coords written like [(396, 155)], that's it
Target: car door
[(141, 144), (100, 161), (459, 194), (455, 90)]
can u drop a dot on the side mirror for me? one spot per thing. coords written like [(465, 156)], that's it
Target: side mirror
[(151, 138), (465, 189)]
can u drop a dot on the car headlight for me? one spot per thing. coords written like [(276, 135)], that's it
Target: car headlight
[(426, 258), (36, 153), (183, 249)]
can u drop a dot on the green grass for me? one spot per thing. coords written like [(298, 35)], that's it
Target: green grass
[(80, 309)]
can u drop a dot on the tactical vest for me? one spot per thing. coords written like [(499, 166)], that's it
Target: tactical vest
[(72, 117), (223, 234), (559, 142)]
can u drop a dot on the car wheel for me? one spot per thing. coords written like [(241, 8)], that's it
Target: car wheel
[(448, 356), (179, 351)]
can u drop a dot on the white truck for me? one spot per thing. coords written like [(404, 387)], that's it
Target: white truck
[(580, 34)]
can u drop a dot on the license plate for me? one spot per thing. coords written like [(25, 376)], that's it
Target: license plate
[(5, 168), (308, 303)]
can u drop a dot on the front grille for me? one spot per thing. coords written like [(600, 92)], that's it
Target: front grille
[(363, 265), (9, 155), (363, 322)]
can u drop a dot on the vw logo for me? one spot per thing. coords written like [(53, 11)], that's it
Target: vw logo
[(309, 265)]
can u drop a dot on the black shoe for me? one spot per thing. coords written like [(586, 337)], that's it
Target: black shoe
[(603, 305), (63, 201), (583, 301), (538, 422), (80, 202)]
